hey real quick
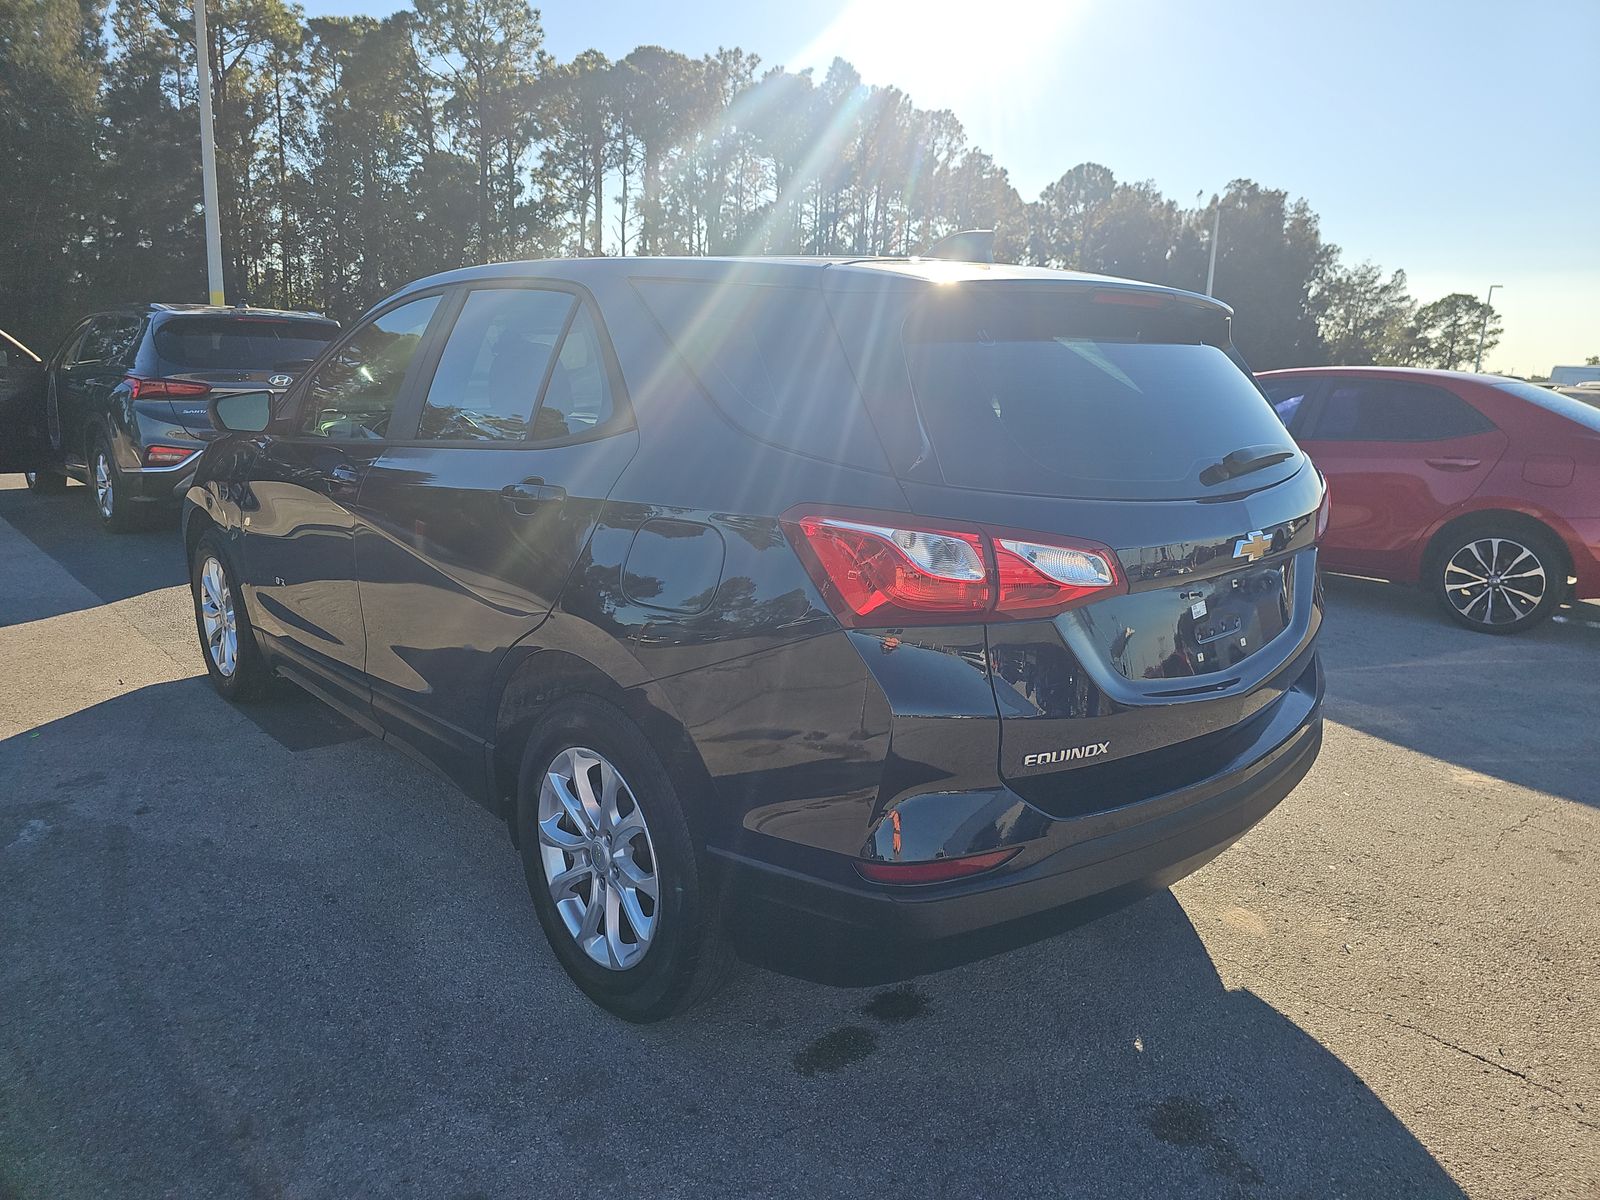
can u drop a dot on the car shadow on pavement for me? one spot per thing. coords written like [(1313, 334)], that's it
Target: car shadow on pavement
[(232, 968), (112, 566), (1518, 707)]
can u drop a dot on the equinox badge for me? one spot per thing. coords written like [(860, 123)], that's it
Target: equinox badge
[(1093, 750), (1252, 547)]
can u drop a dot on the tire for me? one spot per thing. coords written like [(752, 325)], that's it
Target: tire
[(116, 512), (1498, 576), (680, 954), (219, 609), (46, 481)]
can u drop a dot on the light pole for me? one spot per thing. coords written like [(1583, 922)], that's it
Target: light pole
[(1216, 230), (208, 157), (1483, 329)]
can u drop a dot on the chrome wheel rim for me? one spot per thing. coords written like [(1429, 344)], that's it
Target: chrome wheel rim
[(598, 859), (218, 619), (102, 485), (1494, 581)]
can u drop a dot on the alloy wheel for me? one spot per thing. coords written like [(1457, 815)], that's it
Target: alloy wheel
[(1494, 581), (218, 617), (103, 493), (598, 859)]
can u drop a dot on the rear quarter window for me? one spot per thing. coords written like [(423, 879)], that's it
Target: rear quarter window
[(768, 357)]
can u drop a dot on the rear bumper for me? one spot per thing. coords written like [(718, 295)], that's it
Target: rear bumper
[(1140, 846), (1584, 546)]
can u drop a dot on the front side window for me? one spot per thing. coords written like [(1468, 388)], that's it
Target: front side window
[(1382, 410), (493, 365), (353, 394)]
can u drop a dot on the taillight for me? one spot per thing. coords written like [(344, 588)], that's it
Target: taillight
[(936, 870), (149, 389), (1325, 509), (879, 570), (166, 456)]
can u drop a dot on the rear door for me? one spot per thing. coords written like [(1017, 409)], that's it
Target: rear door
[(91, 369), (1399, 456), (298, 518), (472, 522)]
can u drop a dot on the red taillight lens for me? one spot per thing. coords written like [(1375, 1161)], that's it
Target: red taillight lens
[(936, 870), (1040, 575), (166, 456), (1325, 509), (150, 389), (888, 575), (881, 570)]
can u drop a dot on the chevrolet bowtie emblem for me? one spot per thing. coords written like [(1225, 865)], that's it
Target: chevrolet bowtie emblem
[(1252, 547)]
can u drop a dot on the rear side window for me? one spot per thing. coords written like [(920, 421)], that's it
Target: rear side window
[(770, 360), (578, 397), (109, 341), (1060, 397), (1570, 407), (1382, 410), (241, 343), (489, 375), (1287, 396)]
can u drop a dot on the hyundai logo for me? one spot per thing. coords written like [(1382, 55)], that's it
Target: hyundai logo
[(281, 380)]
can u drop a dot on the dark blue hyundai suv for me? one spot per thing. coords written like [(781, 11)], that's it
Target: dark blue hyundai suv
[(916, 597)]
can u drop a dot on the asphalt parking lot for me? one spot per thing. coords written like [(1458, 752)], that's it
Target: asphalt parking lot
[(258, 953)]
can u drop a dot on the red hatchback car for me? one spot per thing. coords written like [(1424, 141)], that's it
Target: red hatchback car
[(1485, 490)]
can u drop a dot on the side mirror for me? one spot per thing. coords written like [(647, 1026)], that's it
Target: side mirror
[(242, 412)]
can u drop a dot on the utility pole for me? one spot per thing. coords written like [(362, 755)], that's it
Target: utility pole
[(208, 157), (1216, 230), (1483, 329)]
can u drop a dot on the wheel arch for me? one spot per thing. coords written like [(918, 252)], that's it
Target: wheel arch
[(541, 679), (1507, 518)]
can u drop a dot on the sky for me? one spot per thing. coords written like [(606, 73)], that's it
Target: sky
[(1458, 140)]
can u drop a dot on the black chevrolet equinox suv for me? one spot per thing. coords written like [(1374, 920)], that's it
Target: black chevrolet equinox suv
[(914, 597)]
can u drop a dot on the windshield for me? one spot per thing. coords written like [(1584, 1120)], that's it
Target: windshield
[(1048, 406), (241, 343), (1569, 407)]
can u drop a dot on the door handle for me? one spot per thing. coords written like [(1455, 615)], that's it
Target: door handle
[(344, 476), (525, 497), (1451, 463)]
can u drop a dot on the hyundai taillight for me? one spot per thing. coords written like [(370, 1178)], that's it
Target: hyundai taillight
[(878, 570), (166, 456), (140, 388), (1325, 509)]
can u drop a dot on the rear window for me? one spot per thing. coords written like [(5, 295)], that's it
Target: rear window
[(241, 343), (770, 360), (1070, 398), (1569, 407)]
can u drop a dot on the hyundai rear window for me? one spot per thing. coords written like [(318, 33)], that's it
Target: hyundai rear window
[(241, 343), (1058, 398)]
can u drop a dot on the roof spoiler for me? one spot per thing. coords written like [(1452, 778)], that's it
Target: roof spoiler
[(970, 245)]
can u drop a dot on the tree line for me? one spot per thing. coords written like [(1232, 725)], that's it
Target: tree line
[(356, 154)]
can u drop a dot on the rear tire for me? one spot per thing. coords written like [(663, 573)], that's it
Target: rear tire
[(234, 661), (1496, 576), (46, 481), (680, 955), (117, 513)]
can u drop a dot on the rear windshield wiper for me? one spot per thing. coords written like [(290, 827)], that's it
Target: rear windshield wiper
[(1242, 462)]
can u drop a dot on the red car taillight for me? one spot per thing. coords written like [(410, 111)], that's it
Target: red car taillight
[(877, 570), (140, 388), (935, 870), (166, 456)]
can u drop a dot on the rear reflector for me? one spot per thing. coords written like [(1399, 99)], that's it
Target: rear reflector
[(166, 456), (937, 870), (879, 570), (149, 389)]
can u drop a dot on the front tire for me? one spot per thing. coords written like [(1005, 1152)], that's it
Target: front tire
[(626, 901), (1494, 577), (227, 641), (46, 481)]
